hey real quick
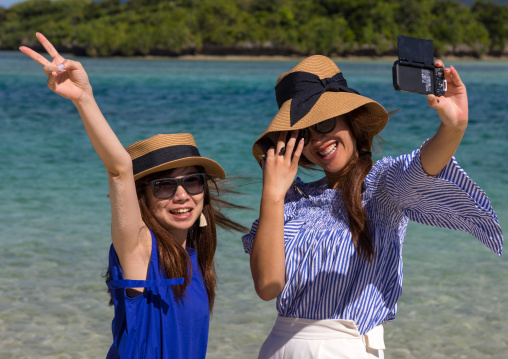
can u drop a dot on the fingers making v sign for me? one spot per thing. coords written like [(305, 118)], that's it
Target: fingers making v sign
[(66, 77)]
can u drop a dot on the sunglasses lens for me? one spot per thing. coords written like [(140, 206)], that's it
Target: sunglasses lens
[(164, 188), (194, 184), (326, 126)]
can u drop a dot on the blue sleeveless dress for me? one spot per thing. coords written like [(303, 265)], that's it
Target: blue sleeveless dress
[(154, 324)]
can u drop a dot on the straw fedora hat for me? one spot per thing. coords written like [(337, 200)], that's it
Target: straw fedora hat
[(314, 91), (164, 152)]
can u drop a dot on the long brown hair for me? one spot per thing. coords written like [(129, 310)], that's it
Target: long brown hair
[(350, 180), (173, 258)]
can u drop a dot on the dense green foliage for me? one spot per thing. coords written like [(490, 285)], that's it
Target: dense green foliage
[(303, 27)]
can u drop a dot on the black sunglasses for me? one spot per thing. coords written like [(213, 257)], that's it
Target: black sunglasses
[(164, 188), (323, 127)]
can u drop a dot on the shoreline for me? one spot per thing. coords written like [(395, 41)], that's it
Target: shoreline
[(298, 57), (231, 57)]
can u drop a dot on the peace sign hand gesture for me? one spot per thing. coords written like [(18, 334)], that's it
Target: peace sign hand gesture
[(65, 77)]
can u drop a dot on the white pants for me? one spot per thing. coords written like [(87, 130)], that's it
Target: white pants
[(297, 338)]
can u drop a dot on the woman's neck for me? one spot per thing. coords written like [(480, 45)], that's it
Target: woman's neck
[(180, 236)]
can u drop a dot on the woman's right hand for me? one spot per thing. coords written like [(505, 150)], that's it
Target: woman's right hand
[(65, 77), (267, 257), (280, 167)]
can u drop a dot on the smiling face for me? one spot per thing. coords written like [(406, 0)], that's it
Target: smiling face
[(179, 212), (331, 151)]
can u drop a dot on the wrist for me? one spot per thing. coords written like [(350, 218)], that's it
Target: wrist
[(85, 98), (272, 197), (453, 129)]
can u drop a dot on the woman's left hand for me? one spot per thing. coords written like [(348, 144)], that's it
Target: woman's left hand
[(452, 108)]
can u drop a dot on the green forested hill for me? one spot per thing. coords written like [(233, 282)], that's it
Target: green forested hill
[(255, 27)]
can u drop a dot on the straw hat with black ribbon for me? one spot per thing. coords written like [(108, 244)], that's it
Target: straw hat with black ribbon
[(314, 91), (164, 152)]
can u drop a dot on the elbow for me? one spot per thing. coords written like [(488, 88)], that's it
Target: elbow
[(265, 297), (121, 170), (269, 277), (268, 291)]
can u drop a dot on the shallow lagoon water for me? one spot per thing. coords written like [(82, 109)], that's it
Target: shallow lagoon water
[(54, 212)]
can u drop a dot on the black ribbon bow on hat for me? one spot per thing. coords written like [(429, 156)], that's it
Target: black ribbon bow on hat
[(305, 89)]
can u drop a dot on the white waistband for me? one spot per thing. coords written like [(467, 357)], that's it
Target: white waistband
[(299, 328)]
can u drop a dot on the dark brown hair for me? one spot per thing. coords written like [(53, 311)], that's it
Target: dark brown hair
[(173, 258), (350, 180)]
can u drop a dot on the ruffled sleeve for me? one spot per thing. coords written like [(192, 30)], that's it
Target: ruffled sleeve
[(449, 200), (248, 239)]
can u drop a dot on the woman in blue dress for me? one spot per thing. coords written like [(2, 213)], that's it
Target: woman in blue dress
[(330, 250), (164, 209)]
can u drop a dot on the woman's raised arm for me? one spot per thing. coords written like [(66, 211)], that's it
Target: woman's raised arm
[(68, 79), (267, 258), (453, 112)]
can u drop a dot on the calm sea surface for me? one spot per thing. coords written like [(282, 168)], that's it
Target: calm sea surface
[(55, 217)]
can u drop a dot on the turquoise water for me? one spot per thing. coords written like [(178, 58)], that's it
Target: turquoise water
[(54, 213)]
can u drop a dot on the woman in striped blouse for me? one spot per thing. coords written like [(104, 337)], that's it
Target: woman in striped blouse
[(330, 250)]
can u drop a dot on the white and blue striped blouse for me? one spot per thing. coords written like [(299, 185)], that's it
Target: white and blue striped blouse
[(325, 278)]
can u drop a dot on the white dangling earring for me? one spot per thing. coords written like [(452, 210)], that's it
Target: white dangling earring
[(202, 220)]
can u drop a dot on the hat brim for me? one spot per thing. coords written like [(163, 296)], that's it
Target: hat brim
[(330, 104), (211, 167)]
